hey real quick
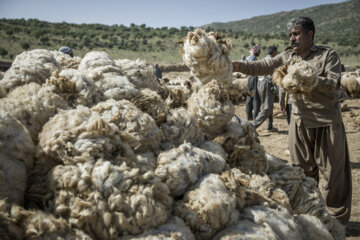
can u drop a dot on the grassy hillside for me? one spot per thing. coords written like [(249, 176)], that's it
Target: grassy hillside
[(159, 44)]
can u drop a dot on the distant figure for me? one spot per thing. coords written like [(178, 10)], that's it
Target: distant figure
[(66, 50), (157, 72), (243, 58), (253, 102)]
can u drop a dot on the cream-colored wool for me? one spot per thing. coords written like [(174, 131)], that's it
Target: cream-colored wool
[(176, 92), (238, 90), (108, 201), (312, 228), (30, 66), (3, 92), (351, 84), (180, 127), (212, 108), (137, 128), (278, 223), (183, 166), (80, 135), (66, 61), (151, 103), (33, 106), (145, 161), (139, 73), (173, 229), (208, 56), (95, 63), (207, 207), (18, 223), (74, 87), (244, 151)]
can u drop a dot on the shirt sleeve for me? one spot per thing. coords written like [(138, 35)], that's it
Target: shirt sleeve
[(260, 67), (330, 82)]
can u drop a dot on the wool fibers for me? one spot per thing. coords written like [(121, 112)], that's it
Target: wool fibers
[(176, 92), (66, 61), (208, 56)]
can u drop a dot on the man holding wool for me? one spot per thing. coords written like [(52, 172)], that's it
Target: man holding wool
[(317, 138)]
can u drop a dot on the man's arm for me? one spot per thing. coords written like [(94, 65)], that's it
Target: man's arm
[(258, 68), (331, 81)]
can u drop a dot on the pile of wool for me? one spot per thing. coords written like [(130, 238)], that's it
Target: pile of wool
[(2, 91), (33, 105), (173, 229), (16, 158), (151, 103), (239, 141), (177, 91), (138, 129), (18, 223), (208, 56), (66, 61), (81, 135), (211, 107), (207, 207), (238, 90), (30, 66), (299, 78), (180, 127), (139, 73), (183, 166), (109, 200), (108, 77), (351, 84), (74, 87)]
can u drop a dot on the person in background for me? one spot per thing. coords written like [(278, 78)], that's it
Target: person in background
[(266, 90), (242, 58), (317, 137), (253, 101), (66, 50), (157, 72)]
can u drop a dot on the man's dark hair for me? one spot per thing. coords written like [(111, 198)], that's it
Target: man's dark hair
[(306, 24), (271, 49)]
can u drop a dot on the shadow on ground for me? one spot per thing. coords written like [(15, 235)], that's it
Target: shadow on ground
[(353, 229)]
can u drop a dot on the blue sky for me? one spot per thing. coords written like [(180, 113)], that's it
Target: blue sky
[(153, 13)]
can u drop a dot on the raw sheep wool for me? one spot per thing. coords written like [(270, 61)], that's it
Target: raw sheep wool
[(312, 228), (108, 201), (183, 166), (212, 108), (238, 89), (351, 84), (66, 61), (138, 129), (180, 127), (74, 88), (2, 91), (81, 135), (208, 56), (173, 229), (207, 207), (32, 105), (150, 102), (139, 73), (30, 66), (240, 143), (176, 92), (18, 223)]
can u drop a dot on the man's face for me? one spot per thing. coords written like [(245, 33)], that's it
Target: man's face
[(300, 41)]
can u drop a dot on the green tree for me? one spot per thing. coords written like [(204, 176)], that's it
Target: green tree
[(3, 52), (25, 45)]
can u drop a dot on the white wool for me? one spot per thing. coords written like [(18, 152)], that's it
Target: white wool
[(244, 151), (79, 135), (211, 107), (301, 78), (207, 207), (176, 92), (312, 228), (74, 87), (279, 222), (145, 161), (97, 61), (238, 89), (138, 129), (173, 229), (183, 166), (2, 90), (351, 84), (139, 72), (208, 56), (30, 66), (66, 61), (181, 127), (33, 106), (151, 103), (114, 200)]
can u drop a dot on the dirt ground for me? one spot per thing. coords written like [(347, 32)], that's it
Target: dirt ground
[(275, 143)]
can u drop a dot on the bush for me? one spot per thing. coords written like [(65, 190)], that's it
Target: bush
[(3, 52), (25, 45)]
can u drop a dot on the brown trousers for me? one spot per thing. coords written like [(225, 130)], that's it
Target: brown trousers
[(325, 149)]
